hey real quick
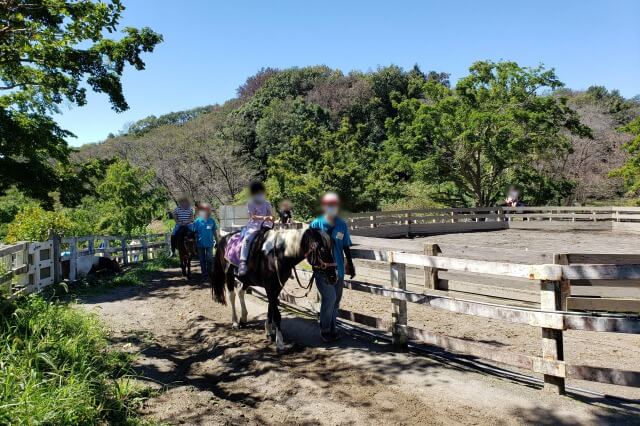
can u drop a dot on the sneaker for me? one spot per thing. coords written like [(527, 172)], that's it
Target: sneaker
[(242, 269)]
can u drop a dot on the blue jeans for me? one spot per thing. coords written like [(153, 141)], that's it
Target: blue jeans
[(331, 296), (206, 258)]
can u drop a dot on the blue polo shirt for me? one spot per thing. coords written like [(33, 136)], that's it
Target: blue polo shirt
[(339, 232), (205, 230)]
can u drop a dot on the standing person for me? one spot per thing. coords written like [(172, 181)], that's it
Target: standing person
[(206, 232), (183, 216), (260, 213), (331, 294), (285, 213)]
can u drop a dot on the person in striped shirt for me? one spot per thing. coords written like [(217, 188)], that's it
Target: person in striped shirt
[(183, 216)]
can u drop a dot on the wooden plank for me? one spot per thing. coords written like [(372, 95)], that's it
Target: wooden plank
[(609, 324), (431, 274), (612, 376), (527, 316), (601, 272), (364, 319), (487, 352), (398, 280), (533, 272), (552, 343), (603, 304), (13, 248), (610, 292), (604, 258)]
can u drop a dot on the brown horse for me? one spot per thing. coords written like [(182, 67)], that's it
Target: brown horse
[(273, 255), (186, 245)]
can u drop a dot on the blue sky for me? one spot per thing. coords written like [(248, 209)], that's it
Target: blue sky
[(211, 47)]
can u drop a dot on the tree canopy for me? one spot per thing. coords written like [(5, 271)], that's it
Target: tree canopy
[(51, 52)]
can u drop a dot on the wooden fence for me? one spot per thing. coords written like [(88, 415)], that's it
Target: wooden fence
[(28, 267), (551, 282), (436, 221)]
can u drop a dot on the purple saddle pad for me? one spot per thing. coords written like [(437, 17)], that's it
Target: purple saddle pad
[(232, 250)]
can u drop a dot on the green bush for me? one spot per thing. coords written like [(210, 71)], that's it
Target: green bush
[(56, 368)]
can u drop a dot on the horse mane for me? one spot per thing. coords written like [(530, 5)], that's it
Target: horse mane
[(289, 239)]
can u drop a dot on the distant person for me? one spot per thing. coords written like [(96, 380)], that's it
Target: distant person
[(183, 217), (513, 197), (331, 294), (286, 213), (260, 214), (206, 232)]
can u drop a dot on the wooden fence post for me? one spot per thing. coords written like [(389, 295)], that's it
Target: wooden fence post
[(91, 246), (399, 314), (565, 285), (552, 344), (372, 218), (167, 242), (125, 254), (431, 274), (73, 259), (145, 249), (55, 257)]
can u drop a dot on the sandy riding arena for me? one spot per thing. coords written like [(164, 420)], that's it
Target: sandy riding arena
[(209, 374)]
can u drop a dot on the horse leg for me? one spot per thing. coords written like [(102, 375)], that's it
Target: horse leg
[(188, 267), (275, 301), (243, 307), (234, 316), (267, 323)]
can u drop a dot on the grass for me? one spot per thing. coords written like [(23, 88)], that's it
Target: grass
[(57, 369), (55, 364)]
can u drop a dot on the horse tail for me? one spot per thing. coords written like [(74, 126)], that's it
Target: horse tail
[(218, 275)]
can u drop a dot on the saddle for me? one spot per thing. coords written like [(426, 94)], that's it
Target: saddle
[(234, 246)]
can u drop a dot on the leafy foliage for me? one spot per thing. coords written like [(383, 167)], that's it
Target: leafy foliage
[(630, 171), (33, 223), (49, 52), (55, 368), (488, 132), (128, 201)]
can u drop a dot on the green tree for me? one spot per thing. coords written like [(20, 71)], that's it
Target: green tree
[(33, 223), (630, 172), (319, 161), (471, 142), (50, 51), (127, 200)]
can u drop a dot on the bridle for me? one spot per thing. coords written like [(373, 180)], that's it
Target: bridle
[(322, 265)]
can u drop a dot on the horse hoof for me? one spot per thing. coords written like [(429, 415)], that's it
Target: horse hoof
[(243, 324), (235, 326)]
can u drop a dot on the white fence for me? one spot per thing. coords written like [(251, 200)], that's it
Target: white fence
[(28, 267), (434, 221)]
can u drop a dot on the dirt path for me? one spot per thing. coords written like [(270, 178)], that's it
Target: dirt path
[(215, 375)]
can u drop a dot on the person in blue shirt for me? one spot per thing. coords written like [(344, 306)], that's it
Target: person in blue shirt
[(206, 232), (331, 294)]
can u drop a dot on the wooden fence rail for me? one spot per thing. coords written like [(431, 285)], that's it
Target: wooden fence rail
[(29, 267), (551, 282), (434, 221)]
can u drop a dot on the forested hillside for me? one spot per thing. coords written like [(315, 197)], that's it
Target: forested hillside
[(391, 137)]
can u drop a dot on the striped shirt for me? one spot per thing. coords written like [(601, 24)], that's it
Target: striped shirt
[(184, 215)]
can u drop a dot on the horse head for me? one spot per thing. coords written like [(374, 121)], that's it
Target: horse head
[(317, 247)]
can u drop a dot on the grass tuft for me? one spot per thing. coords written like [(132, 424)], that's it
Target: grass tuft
[(56, 368)]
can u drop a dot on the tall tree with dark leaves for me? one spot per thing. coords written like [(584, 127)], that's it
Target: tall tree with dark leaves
[(53, 51)]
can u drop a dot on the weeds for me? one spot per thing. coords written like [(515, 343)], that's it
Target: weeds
[(56, 368)]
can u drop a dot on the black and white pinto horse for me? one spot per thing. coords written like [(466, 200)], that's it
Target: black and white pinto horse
[(273, 255)]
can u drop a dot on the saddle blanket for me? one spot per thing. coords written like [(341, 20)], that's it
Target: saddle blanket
[(232, 250)]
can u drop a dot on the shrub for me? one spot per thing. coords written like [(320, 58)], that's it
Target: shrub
[(56, 369)]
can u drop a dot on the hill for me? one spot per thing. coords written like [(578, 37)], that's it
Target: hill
[(308, 129)]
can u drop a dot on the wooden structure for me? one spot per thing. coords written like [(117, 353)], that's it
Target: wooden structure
[(551, 283), (402, 223), (28, 267)]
